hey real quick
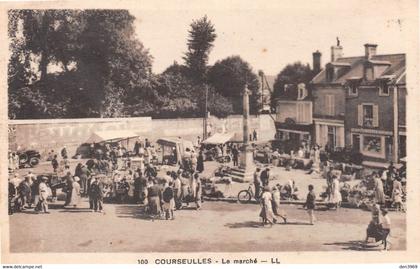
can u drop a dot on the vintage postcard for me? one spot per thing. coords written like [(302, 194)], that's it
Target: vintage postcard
[(210, 132)]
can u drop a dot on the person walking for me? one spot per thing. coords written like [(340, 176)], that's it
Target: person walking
[(310, 204), (378, 189), (235, 155), (266, 213), (155, 197), (257, 183), (54, 164), (194, 161), (200, 162), (265, 177), (276, 203), (64, 153), (43, 195), (96, 195), (397, 192), (254, 135), (185, 189), (177, 191), (24, 190), (35, 194), (75, 193), (169, 201), (335, 198), (198, 192)]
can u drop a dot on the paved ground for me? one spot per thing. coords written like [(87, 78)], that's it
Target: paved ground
[(300, 177), (219, 226)]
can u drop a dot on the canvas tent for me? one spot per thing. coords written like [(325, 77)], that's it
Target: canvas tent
[(110, 136), (219, 138)]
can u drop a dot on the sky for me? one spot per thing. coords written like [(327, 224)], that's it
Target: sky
[(271, 34)]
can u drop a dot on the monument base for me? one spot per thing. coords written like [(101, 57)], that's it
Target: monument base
[(246, 169)]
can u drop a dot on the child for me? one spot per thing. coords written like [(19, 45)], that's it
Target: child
[(386, 227), (169, 201), (310, 204)]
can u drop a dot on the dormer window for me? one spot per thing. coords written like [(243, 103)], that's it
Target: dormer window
[(383, 88), (302, 92), (353, 89), (353, 86), (330, 73)]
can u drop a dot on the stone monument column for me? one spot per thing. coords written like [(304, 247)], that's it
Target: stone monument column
[(246, 157)]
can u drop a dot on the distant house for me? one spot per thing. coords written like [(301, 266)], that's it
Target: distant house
[(329, 101), (294, 111), (294, 114), (360, 102)]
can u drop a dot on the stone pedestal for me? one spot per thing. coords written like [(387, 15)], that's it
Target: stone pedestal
[(247, 164)]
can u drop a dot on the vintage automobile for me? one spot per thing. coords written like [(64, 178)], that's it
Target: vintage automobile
[(29, 158)]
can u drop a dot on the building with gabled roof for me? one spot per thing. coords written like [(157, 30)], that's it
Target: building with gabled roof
[(361, 102)]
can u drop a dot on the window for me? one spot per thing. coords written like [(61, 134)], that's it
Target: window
[(368, 115), (302, 93), (383, 88), (330, 105), (373, 146), (352, 89), (331, 136)]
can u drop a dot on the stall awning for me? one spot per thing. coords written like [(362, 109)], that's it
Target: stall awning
[(172, 142), (219, 138), (111, 136)]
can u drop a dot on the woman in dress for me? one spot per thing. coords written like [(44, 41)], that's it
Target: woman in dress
[(379, 190), (75, 193), (397, 192), (276, 203), (335, 198), (43, 195), (154, 197), (266, 213)]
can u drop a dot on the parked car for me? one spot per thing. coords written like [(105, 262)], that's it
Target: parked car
[(29, 158)]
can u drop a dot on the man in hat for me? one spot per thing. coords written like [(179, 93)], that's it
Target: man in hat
[(96, 195), (265, 176), (24, 192)]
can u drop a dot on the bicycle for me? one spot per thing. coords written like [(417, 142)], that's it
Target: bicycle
[(244, 196)]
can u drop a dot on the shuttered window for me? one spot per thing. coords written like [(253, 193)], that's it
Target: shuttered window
[(375, 121), (329, 105)]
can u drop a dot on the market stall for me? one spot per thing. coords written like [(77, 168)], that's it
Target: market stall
[(173, 149)]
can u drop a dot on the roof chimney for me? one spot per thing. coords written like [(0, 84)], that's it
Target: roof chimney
[(336, 51), (370, 50), (316, 61)]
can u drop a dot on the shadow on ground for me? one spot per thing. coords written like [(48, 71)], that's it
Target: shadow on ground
[(353, 245)]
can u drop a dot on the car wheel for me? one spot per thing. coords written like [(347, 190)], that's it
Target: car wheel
[(23, 158), (33, 161)]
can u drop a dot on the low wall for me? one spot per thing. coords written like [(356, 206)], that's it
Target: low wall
[(45, 135)]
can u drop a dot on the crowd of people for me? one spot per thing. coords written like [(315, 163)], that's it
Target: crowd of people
[(99, 178)]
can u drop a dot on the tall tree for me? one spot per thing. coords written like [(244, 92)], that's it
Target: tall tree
[(229, 76), (200, 42), (95, 58), (291, 74)]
